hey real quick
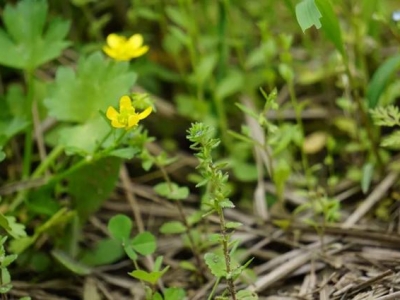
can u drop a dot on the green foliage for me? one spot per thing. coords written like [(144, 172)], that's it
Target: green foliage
[(172, 227), (386, 116), (381, 79), (96, 84), (308, 15), (120, 227), (25, 44), (216, 264), (89, 191), (5, 261), (149, 277), (171, 191)]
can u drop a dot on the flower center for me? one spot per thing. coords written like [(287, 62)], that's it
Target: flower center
[(125, 114)]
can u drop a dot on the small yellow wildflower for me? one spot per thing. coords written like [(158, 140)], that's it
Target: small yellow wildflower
[(120, 48), (127, 117)]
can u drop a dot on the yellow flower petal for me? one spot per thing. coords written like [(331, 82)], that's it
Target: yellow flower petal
[(145, 113), (115, 40), (112, 113), (125, 103), (135, 41), (115, 123), (139, 52), (133, 120)]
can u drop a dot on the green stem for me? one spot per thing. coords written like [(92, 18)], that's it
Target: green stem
[(299, 121), (53, 155), (28, 146), (225, 249), (214, 288)]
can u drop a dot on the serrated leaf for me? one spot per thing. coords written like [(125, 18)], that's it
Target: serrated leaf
[(144, 243), (120, 227), (173, 227), (216, 264), (26, 45), (97, 84)]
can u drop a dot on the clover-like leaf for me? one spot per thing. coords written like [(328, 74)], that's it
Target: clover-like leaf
[(97, 84), (27, 43), (120, 227), (151, 277), (171, 191), (144, 243)]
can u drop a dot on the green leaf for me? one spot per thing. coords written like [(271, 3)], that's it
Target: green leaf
[(216, 264), (173, 227), (246, 295), (367, 174), (130, 252), (171, 191), (97, 84), (381, 79), (92, 184), (120, 227), (105, 252), (126, 153), (230, 85), (204, 68), (144, 243), (70, 263), (8, 259), (330, 24), (226, 204), (151, 278), (174, 294), (308, 15), (233, 225), (83, 139), (26, 44)]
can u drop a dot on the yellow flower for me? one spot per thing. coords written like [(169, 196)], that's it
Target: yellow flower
[(120, 48), (127, 117)]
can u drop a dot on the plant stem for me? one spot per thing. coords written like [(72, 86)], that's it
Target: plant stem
[(225, 249), (28, 146)]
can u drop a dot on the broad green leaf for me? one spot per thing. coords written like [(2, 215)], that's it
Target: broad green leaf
[(172, 227), (105, 252), (216, 264), (144, 243), (70, 263), (171, 191), (308, 15), (157, 296), (151, 277), (381, 78), (27, 43), (97, 84), (174, 294), (367, 175), (83, 139), (92, 184), (120, 227)]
